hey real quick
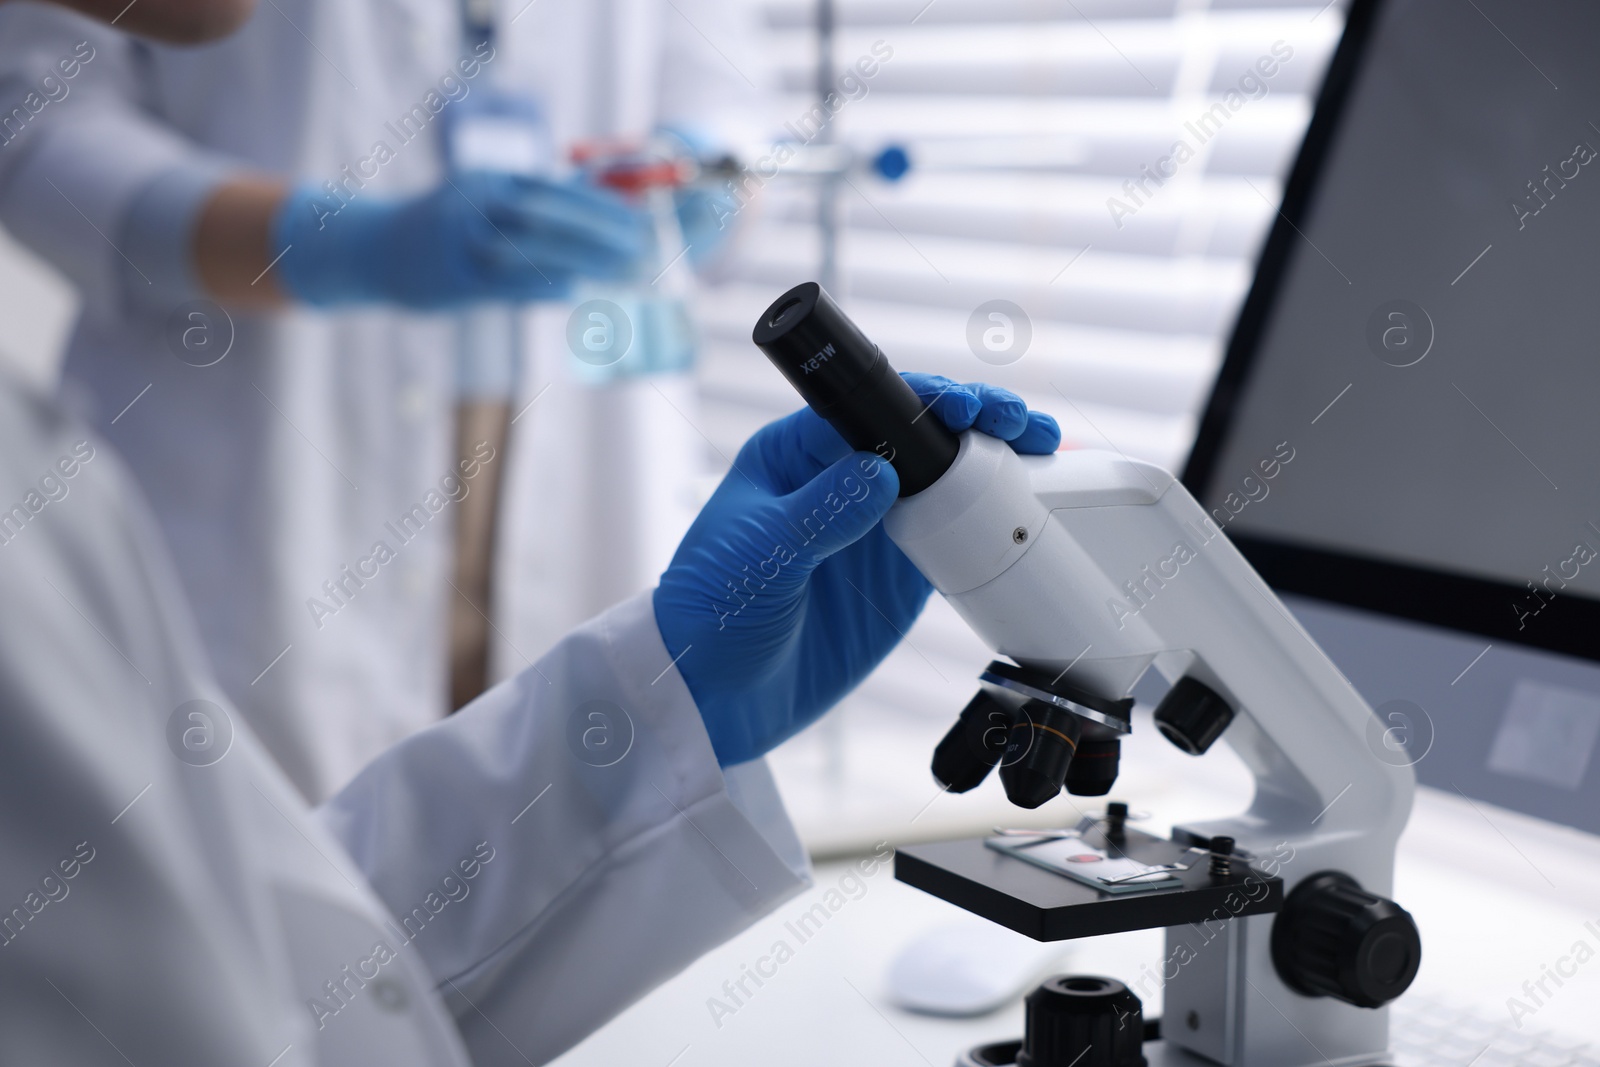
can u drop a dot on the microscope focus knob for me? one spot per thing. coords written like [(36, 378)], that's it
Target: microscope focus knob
[(1192, 716), (1335, 939), (1080, 1020)]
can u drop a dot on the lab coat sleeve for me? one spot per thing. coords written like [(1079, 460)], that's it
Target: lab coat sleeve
[(72, 170), (567, 841)]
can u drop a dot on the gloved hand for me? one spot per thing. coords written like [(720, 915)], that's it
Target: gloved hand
[(774, 615), (706, 214), (479, 236)]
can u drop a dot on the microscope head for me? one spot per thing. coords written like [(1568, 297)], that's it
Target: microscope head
[(1042, 729), (1083, 570)]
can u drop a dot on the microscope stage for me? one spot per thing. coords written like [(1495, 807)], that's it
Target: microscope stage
[(1047, 906)]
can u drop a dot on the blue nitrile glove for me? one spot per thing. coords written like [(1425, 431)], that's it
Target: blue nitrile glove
[(706, 215), (774, 615), (479, 236)]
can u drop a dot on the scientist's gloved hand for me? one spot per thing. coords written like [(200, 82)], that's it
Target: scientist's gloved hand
[(706, 213), (478, 237), (786, 592)]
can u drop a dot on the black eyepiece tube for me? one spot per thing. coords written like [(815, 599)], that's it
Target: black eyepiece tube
[(846, 379)]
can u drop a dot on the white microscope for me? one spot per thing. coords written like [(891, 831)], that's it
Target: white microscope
[(1085, 569)]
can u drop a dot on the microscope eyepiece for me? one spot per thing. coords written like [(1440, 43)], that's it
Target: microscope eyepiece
[(844, 378)]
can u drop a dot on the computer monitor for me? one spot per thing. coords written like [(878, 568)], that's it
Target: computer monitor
[(1404, 437)]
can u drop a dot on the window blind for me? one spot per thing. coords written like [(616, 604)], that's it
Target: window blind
[(1110, 167)]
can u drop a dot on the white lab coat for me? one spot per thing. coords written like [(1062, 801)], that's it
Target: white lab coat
[(291, 459), (477, 894)]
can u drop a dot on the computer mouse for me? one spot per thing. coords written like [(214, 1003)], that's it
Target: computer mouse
[(968, 967)]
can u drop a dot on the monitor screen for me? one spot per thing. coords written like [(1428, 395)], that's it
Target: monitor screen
[(1408, 418)]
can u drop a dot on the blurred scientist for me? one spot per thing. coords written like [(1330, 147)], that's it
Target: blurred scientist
[(490, 889), (303, 465)]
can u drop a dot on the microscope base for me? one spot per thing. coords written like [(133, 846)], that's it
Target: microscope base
[(1157, 1053)]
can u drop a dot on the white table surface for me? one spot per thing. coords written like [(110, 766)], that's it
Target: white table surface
[(1496, 896)]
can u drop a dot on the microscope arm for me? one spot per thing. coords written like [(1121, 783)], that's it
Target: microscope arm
[(1101, 567)]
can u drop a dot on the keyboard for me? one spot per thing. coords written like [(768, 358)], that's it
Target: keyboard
[(1426, 1032)]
